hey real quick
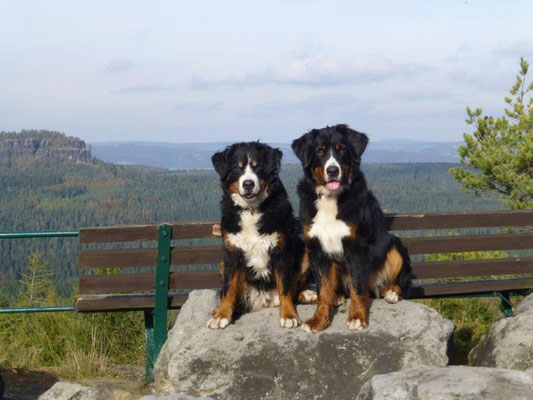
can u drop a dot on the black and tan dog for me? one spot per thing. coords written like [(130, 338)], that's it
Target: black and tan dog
[(263, 247), (350, 251)]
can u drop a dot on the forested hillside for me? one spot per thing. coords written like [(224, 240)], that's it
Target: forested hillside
[(55, 195)]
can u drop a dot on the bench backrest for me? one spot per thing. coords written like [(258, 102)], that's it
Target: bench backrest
[(181, 282)]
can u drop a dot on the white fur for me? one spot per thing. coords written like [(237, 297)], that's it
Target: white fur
[(327, 228), (289, 322), (332, 161), (258, 299), (310, 296), (392, 297), (249, 175), (306, 328), (255, 246), (217, 323), (355, 324)]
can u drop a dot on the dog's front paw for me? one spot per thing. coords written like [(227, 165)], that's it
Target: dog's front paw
[(289, 322), (217, 323), (315, 325), (356, 324)]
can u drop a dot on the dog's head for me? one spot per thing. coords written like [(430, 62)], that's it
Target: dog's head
[(246, 171), (331, 156)]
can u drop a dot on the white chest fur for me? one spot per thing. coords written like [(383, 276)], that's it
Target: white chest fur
[(254, 245), (327, 228)]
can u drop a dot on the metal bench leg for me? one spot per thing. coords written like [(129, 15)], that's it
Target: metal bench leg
[(506, 304), (157, 335)]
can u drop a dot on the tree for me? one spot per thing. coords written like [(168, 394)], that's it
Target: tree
[(500, 150)]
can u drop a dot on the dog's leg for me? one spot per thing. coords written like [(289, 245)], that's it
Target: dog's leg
[(288, 317), (358, 314), (326, 296), (224, 312), (305, 295)]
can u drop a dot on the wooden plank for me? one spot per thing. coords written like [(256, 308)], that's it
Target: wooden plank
[(460, 219), (128, 302), (119, 258), (125, 233), (123, 283), (192, 230), (421, 290), (463, 243), (450, 269), (196, 255)]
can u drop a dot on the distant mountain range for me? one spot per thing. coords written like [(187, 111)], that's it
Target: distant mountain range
[(198, 155)]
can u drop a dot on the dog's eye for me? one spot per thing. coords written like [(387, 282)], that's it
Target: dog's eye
[(239, 165), (321, 150), (339, 148)]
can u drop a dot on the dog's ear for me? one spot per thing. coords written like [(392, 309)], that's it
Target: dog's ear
[(303, 149), (358, 141), (220, 162), (273, 163), (272, 158)]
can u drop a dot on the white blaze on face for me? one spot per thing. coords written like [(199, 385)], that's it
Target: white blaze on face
[(332, 185), (249, 174)]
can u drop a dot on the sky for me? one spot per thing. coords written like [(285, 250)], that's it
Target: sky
[(202, 71)]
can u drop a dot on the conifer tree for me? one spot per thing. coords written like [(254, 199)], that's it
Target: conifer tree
[(500, 150)]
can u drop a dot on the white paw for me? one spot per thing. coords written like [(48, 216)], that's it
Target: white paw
[(217, 323), (392, 297), (306, 328), (309, 296), (355, 324), (289, 322), (340, 301)]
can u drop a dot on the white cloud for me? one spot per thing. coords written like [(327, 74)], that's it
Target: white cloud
[(119, 65)]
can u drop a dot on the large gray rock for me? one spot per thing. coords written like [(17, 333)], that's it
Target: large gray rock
[(509, 342), (70, 391), (257, 359), (445, 383), (175, 397)]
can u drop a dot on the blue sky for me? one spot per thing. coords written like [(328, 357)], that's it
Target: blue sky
[(182, 71)]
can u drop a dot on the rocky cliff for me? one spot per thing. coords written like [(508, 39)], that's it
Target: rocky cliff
[(41, 145)]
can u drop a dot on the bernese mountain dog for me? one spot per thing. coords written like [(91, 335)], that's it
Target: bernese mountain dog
[(264, 261), (350, 251)]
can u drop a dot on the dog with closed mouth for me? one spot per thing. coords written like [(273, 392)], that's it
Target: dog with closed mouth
[(264, 263), (351, 253)]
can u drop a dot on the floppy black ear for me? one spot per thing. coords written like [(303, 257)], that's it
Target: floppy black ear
[(358, 141), (273, 163), (302, 147), (220, 162)]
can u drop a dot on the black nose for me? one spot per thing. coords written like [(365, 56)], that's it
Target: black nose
[(332, 171), (248, 184)]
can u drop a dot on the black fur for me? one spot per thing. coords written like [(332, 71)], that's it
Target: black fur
[(276, 216), (364, 256)]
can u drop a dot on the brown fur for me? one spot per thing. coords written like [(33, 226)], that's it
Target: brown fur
[(286, 304), (231, 298), (326, 299), (318, 175), (385, 278)]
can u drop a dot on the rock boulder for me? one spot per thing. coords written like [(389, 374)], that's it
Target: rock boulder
[(444, 383), (509, 342), (257, 359)]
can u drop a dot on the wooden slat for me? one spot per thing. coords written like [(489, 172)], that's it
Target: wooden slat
[(119, 258), (192, 230), (452, 244), (468, 287), (450, 269), (126, 233), (124, 283), (196, 255), (128, 302), (460, 219)]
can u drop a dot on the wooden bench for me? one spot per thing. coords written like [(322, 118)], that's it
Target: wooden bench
[(156, 292)]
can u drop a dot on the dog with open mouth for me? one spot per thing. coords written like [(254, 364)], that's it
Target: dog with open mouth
[(264, 263), (351, 253)]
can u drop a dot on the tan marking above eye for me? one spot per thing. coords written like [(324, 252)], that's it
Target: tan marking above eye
[(337, 147), (240, 164), (254, 163)]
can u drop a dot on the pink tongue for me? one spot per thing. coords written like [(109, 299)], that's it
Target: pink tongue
[(333, 185)]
